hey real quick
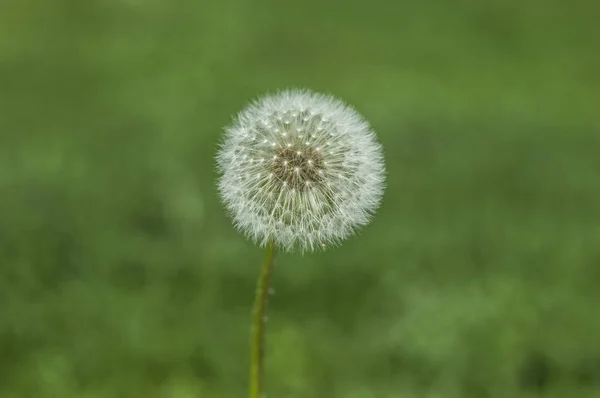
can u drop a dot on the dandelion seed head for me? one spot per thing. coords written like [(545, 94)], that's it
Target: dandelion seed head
[(278, 186)]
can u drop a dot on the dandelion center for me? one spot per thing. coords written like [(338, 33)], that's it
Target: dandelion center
[(298, 168)]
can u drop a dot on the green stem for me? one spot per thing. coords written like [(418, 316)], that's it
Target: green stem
[(259, 323)]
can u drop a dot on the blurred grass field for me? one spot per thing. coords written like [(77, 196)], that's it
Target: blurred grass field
[(120, 275)]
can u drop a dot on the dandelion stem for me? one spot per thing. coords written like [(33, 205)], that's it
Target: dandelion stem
[(259, 323)]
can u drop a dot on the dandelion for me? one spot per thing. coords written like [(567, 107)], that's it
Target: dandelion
[(298, 171), (301, 170)]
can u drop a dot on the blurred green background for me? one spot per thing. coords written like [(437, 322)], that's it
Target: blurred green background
[(120, 275)]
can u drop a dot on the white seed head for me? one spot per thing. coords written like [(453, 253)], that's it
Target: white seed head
[(300, 169)]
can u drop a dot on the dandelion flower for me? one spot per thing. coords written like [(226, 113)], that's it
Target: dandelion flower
[(301, 170)]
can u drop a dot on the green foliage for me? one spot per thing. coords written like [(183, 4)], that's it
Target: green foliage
[(121, 276)]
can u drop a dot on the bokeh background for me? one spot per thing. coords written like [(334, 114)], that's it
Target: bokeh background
[(121, 276)]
